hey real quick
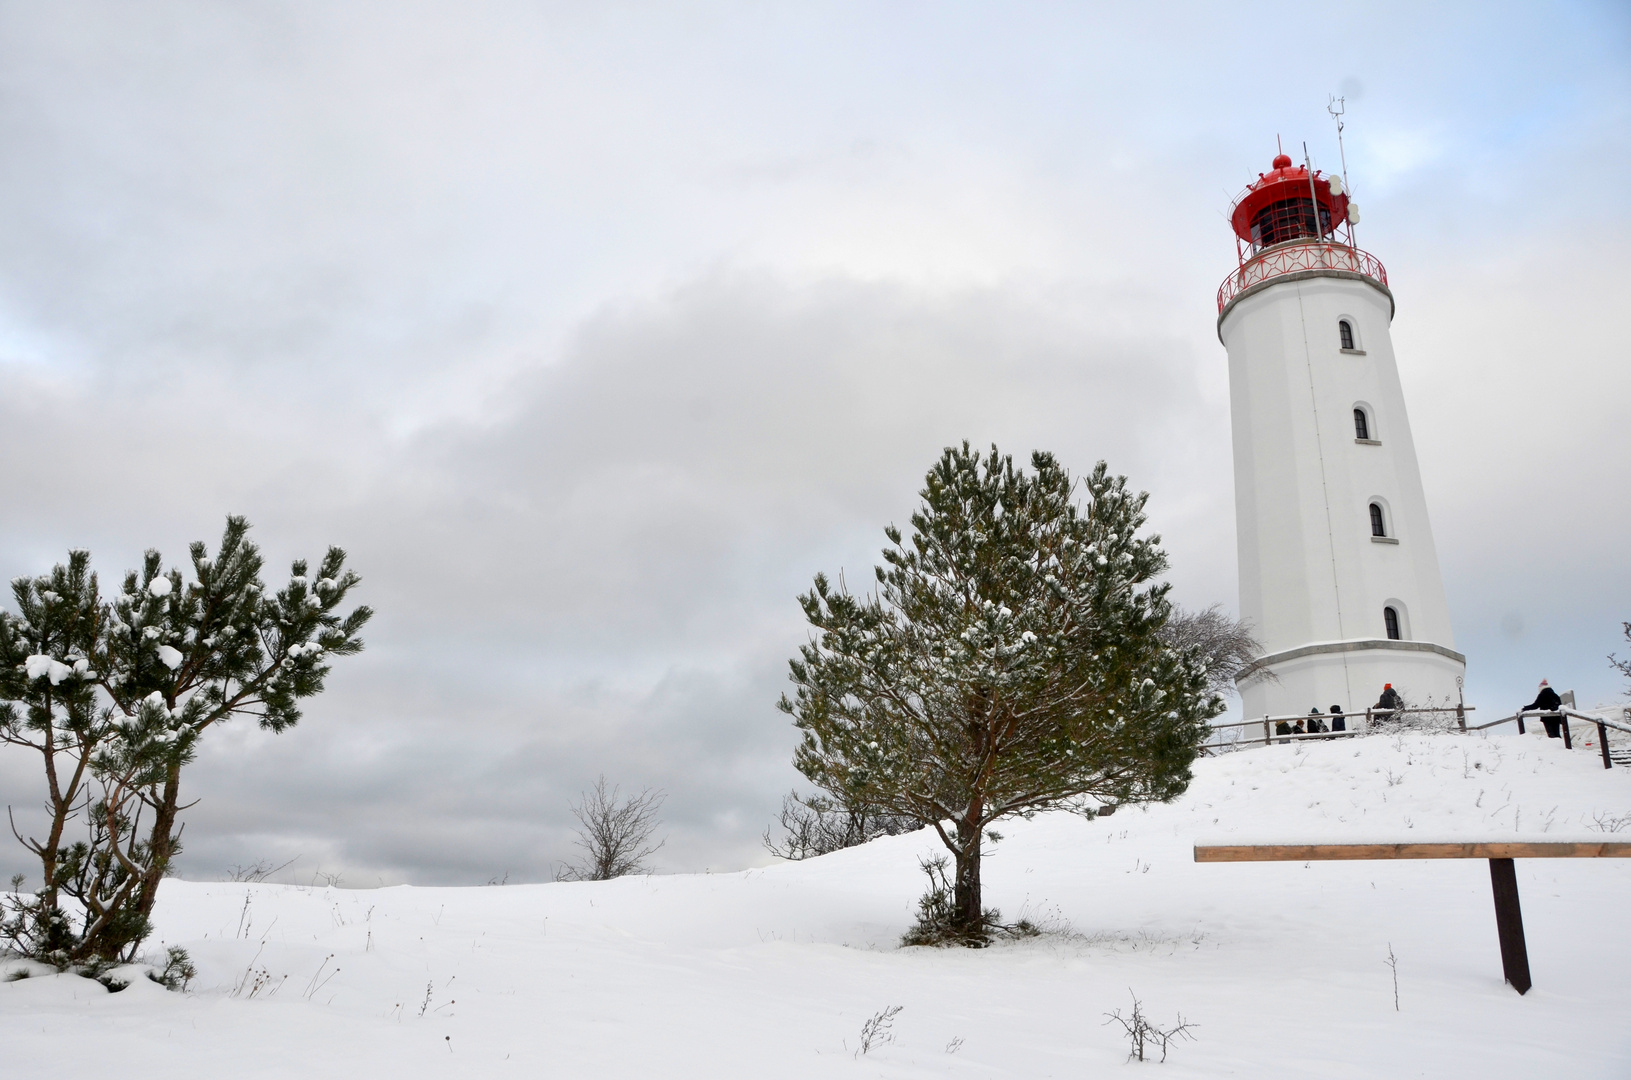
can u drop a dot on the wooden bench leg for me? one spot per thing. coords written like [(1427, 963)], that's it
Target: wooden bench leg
[(1509, 924)]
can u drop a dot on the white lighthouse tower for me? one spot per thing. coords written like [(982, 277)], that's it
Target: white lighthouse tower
[(1338, 574)]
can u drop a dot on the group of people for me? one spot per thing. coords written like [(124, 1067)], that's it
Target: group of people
[(1547, 701), (1315, 724), (1386, 705)]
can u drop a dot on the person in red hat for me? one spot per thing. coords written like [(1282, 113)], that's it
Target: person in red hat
[(1548, 701), (1388, 702)]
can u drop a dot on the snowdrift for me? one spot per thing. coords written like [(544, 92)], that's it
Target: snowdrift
[(773, 971)]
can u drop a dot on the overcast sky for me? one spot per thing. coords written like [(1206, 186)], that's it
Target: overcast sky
[(593, 331)]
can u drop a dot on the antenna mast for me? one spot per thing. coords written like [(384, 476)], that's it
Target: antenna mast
[(1313, 196), (1336, 107)]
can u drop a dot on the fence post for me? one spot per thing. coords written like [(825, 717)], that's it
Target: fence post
[(1602, 741), (1568, 742), (1509, 924), (1265, 729), (1520, 723)]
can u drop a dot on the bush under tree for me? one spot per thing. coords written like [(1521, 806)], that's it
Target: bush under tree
[(114, 695), (1010, 661)]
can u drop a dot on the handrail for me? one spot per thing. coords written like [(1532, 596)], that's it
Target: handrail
[(1373, 711), (1598, 720), (1543, 714), (1568, 737), (1493, 723), (1298, 256), (1372, 714)]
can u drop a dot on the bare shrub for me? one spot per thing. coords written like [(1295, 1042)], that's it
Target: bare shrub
[(819, 825), (1226, 643), (1612, 823), (1143, 1036), (1426, 716), (258, 871), (875, 1032), (614, 833), (1623, 666)]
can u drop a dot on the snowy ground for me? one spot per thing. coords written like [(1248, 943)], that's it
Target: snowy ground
[(772, 972)]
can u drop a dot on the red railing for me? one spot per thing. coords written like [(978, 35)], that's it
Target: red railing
[(1291, 258)]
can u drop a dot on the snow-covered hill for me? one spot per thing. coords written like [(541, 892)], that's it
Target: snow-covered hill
[(771, 972)]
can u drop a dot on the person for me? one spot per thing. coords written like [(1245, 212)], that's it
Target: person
[(1388, 702), (1315, 724), (1339, 722), (1299, 729), (1282, 728), (1548, 701)]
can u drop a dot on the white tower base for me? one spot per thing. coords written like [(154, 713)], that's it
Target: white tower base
[(1350, 674)]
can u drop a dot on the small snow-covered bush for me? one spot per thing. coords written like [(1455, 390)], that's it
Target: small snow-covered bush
[(177, 972), (937, 922)]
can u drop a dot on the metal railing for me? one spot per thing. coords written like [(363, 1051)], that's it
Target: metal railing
[(1366, 720), (1562, 715), (1296, 256)]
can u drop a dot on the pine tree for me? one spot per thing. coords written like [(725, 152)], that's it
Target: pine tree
[(116, 695), (1009, 661)]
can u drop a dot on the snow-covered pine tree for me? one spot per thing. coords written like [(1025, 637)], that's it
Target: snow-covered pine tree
[(116, 695), (45, 670), (1009, 661)]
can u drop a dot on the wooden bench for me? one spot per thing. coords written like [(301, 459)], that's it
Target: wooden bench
[(1503, 877)]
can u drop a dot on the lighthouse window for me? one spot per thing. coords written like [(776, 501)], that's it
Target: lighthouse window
[(1286, 219), (1347, 333), (1390, 618), (1361, 421), (1378, 527)]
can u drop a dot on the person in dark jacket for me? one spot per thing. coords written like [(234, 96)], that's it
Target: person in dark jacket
[(1315, 724), (1282, 728), (1548, 701), (1339, 722), (1386, 704)]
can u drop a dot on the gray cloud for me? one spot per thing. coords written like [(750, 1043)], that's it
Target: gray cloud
[(592, 336)]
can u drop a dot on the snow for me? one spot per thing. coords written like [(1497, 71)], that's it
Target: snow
[(159, 586), (39, 665), (773, 971), (170, 656)]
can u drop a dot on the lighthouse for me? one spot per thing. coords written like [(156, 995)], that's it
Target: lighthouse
[(1338, 574)]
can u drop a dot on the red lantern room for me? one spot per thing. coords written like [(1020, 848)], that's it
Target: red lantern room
[(1294, 219), (1279, 207)]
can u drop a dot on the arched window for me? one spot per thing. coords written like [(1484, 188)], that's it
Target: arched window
[(1391, 618), (1378, 525), (1361, 424), (1347, 332)]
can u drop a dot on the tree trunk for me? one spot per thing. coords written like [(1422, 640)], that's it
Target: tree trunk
[(968, 916), (162, 843)]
